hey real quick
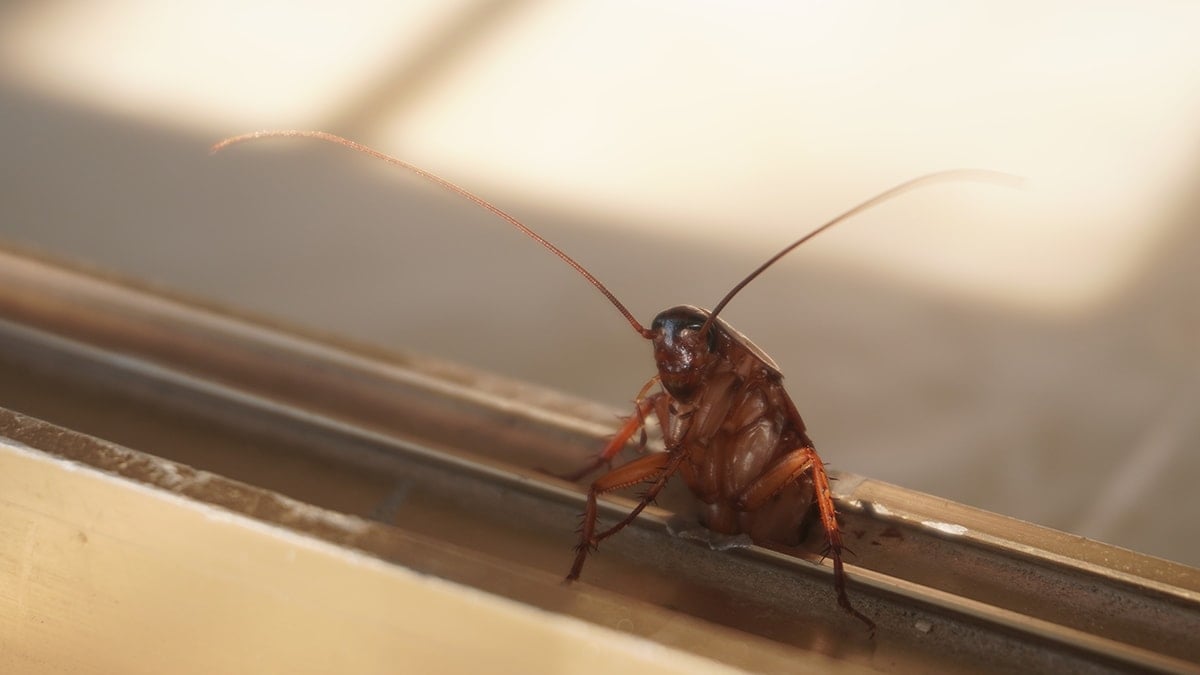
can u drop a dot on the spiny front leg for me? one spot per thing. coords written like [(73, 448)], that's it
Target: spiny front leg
[(787, 470), (637, 471), (636, 422)]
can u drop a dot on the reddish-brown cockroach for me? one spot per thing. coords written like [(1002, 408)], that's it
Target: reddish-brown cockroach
[(728, 426)]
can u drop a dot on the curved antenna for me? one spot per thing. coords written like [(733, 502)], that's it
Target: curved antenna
[(982, 175), (442, 182)]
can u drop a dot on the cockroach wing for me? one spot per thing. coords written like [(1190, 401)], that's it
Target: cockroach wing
[(746, 342)]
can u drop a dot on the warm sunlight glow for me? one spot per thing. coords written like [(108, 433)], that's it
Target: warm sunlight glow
[(233, 65), (785, 123)]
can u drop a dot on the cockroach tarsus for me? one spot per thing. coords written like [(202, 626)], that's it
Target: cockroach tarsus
[(729, 428)]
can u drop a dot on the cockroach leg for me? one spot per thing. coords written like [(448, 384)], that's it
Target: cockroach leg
[(647, 498), (659, 466), (790, 468), (633, 424)]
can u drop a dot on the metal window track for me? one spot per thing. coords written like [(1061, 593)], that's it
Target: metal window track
[(436, 468)]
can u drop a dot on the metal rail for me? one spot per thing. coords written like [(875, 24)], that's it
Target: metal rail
[(320, 436)]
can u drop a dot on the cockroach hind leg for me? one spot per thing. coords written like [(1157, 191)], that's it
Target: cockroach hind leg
[(686, 528)]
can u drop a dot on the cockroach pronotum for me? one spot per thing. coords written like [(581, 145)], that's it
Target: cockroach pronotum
[(728, 426)]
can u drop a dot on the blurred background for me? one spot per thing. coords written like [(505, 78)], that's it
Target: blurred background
[(1030, 351)]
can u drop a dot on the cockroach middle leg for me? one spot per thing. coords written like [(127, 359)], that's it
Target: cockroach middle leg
[(659, 467)]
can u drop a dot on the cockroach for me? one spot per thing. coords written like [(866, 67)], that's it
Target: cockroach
[(729, 428)]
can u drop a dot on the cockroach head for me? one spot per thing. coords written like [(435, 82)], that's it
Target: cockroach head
[(683, 348)]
